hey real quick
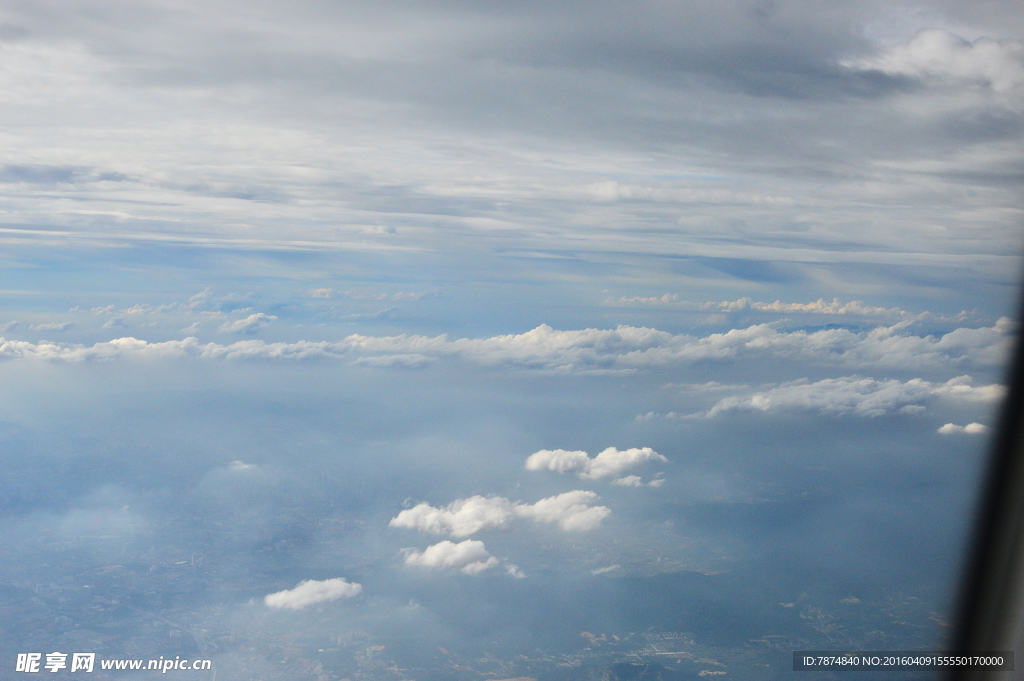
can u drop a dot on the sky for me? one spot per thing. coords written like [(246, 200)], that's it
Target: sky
[(443, 326)]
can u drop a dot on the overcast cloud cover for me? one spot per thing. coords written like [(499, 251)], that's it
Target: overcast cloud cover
[(345, 340)]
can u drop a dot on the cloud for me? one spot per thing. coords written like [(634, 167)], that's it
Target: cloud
[(970, 429), (607, 464), (514, 571), (820, 306), (571, 511), (469, 557), (939, 55), (199, 298), (250, 324), (637, 481), (311, 591), (625, 349), (605, 570), (860, 396), (9, 326), (628, 349), (460, 518), (51, 326)]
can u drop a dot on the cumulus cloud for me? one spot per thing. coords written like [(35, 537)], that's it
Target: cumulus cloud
[(250, 324), (937, 54), (624, 349), (460, 518), (312, 591), (463, 517), (571, 510), (469, 557), (860, 396), (970, 429), (609, 463)]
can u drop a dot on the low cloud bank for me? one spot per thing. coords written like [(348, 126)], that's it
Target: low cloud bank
[(623, 349), (860, 396)]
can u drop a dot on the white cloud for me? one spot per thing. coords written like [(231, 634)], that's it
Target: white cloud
[(607, 464), (312, 591), (571, 511), (861, 396), (51, 326), (469, 557), (460, 518), (637, 481), (9, 326), (199, 298), (820, 306), (250, 324), (937, 54), (514, 571), (623, 349), (605, 570), (970, 429)]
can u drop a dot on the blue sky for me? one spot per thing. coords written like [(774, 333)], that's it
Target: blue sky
[(272, 277)]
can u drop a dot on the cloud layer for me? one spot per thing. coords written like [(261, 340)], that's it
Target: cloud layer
[(860, 396), (623, 349)]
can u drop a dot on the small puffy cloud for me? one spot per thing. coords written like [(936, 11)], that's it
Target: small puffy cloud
[(321, 292), (250, 324), (571, 511), (9, 326), (312, 591), (514, 571), (609, 463), (970, 429), (860, 396), (115, 322), (469, 557), (938, 55), (460, 518)]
